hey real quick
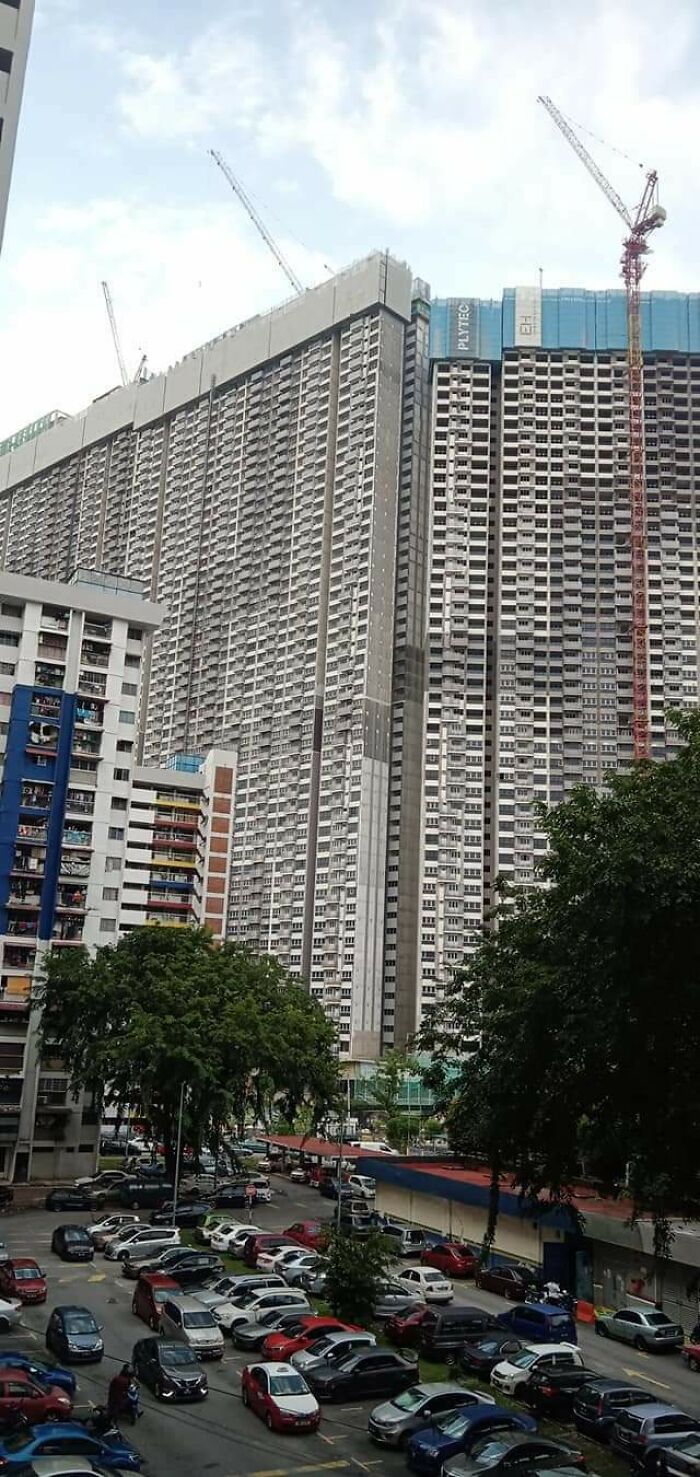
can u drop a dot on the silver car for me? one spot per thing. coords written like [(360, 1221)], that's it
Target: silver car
[(394, 1297), (328, 1347), (391, 1423), (645, 1330)]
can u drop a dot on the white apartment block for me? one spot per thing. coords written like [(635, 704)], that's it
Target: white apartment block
[(16, 18), (71, 659)]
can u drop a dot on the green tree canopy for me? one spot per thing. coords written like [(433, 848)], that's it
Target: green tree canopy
[(356, 1267), (578, 1018), (166, 1007)]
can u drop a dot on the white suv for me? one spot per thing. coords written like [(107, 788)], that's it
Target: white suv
[(140, 1239), (513, 1374), (247, 1307)]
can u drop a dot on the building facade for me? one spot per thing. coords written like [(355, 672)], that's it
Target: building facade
[(16, 18), (179, 839), (71, 658)]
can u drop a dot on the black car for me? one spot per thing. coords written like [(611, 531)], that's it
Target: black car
[(151, 1261), (507, 1452), (231, 1197), (481, 1357), (196, 1269), (599, 1402), (444, 1330), (552, 1392), (74, 1335), (73, 1244), (188, 1213), (369, 1372), (69, 1198), (170, 1369)]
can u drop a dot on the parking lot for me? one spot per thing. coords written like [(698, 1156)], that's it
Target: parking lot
[(220, 1436)]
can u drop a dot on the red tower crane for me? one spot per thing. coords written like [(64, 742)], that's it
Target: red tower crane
[(647, 217)]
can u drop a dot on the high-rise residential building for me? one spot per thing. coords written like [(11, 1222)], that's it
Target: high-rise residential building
[(179, 836), (16, 18), (71, 661), (254, 490)]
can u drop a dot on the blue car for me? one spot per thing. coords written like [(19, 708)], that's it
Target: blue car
[(44, 1374), (68, 1438), (455, 1433)]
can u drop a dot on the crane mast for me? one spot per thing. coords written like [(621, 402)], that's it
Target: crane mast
[(115, 333), (259, 224), (647, 217)]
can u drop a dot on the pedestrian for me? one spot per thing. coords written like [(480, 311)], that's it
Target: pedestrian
[(118, 1393)]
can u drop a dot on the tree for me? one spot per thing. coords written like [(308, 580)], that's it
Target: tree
[(385, 1087), (356, 1267), (166, 1007), (577, 1019)]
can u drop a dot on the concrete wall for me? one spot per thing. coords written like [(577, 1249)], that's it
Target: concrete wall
[(514, 1237)]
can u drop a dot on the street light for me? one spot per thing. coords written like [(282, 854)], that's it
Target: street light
[(178, 1150)]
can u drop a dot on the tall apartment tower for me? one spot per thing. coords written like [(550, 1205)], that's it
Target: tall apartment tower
[(16, 18), (529, 640), (254, 490)]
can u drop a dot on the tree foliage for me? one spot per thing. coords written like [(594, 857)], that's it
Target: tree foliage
[(356, 1267), (578, 1017), (166, 1007), (399, 1124)]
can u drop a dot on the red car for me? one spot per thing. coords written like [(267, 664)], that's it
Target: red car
[(289, 1340), (312, 1234), (454, 1258), (279, 1394), (151, 1291), (23, 1278), (20, 1394), (405, 1328), (691, 1352)]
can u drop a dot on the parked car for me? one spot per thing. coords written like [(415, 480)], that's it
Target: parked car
[(74, 1335), (188, 1213), (249, 1304), (234, 1283), (142, 1193), (23, 1278), (363, 1184), (394, 1297), (551, 1392), (511, 1375), (68, 1198), (25, 1449), (231, 1197), (311, 1234), (148, 1238), (196, 1269), (253, 1335), (151, 1291), (300, 1333), (515, 1283), (391, 1423), (681, 1459), (600, 1401), (458, 1431), (42, 1374), (305, 1270), (73, 1244), (204, 1229), (107, 1179), (331, 1346), (277, 1258), (108, 1226), (280, 1396), (263, 1241), (187, 1322), (454, 1258), (540, 1323), (34, 1401), (261, 1185), (406, 1240), (432, 1286), (403, 1328), (651, 1331), (691, 1354), (10, 1314), (640, 1428), (231, 1236), (365, 1373), (481, 1357), (170, 1369), (148, 1260), (444, 1330), (509, 1452)]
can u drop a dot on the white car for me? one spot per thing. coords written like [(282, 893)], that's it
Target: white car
[(299, 1263), (110, 1224), (276, 1260), (512, 1375), (431, 1285), (10, 1313), (230, 1237), (298, 1176), (250, 1304), (222, 1310), (363, 1185)]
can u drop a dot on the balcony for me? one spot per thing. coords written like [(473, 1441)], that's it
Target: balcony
[(45, 707), (42, 739), (36, 797), (68, 931), (18, 958), (94, 656), (29, 861), (101, 630), (80, 802), (22, 895), (48, 676), (73, 836), (87, 745), (71, 899), (56, 620), (73, 866), (96, 686), (15, 997), (22, 927), (91, 714)]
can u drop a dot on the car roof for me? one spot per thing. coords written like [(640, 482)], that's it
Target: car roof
[(548, 1348), (17, 1374), (190, 1304), (57, 1466), (652, 1408), (72, 1308), (157, 1279), (22, 1261), (277, 1366), (550, 1309), (428, 1388), (606, 1383)]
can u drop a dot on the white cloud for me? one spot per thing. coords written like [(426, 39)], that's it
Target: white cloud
[(178, 277)]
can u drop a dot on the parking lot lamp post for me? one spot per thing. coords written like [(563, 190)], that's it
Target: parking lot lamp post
[(178, 1150)]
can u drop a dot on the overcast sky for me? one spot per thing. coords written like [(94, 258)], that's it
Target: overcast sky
[(411, 124)]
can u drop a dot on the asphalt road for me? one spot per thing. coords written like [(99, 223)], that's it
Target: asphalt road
[(220, 1437)]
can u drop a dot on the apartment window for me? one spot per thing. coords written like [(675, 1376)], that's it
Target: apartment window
[(5, 60), (14, 3), (119, 803), (124, 746), (121, 774), (129, 689), (110, 894), (113, 864), (115, 833), (124, 716), (134, 633), (108, 925), (7, 669)]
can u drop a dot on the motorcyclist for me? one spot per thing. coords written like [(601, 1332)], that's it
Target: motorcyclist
[(552, 1292), (123, 1395)]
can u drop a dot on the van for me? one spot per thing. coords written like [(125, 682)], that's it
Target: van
[(190, 1323), (151, 1291), (141, 1239), (443, 1331), (540, 1323)]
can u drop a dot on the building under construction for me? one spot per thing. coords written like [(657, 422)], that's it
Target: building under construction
[(393, 539)]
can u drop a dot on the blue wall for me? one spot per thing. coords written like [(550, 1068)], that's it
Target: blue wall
[(21, 767), (572, 318)]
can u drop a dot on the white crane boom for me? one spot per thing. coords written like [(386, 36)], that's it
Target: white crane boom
[(587, 160), (115, 333), (247, 204)]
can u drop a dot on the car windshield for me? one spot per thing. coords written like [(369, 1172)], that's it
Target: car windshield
[(26, 1274), (524, 1360), (409, 1399), (178, 1354), (489, 1451), (198, 1320), (161, 1293), (74, 1233), (454, 1424), (656, 1319), (287, 1384), (80, 1323), (489, 1346), (19, 1441)]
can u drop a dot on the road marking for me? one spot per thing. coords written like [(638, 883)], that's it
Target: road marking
[(98, 1277), (639, 1374), (285, 1472), (345, 1409)]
